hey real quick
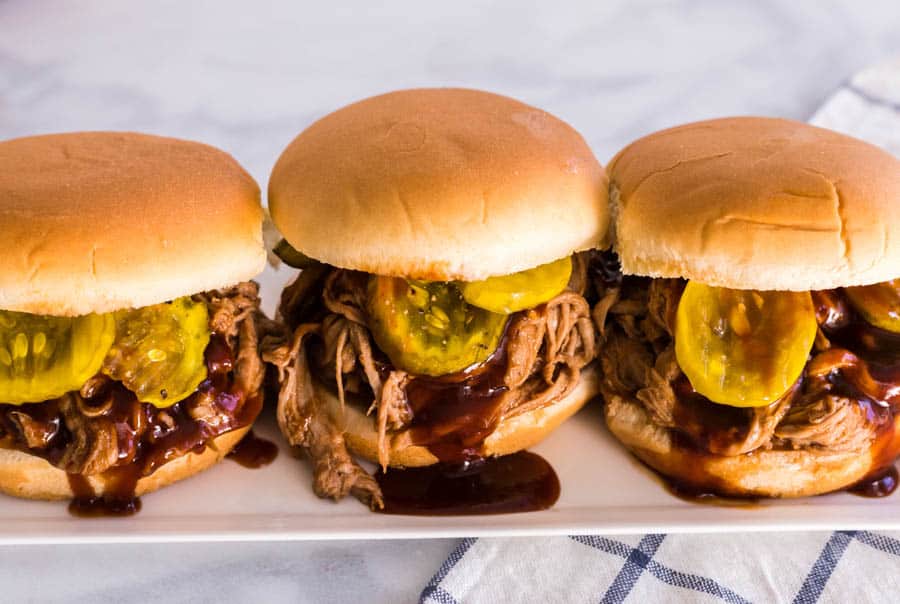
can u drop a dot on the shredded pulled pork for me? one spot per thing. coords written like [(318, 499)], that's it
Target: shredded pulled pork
[(304, 420), (546, 348), (103, 425), (636, 321), (235, 315)]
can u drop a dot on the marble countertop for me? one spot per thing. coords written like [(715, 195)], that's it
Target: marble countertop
[(247, 78)]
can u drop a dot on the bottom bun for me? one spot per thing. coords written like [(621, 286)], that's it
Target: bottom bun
[(31, 477), (760, 473), (511, 435)]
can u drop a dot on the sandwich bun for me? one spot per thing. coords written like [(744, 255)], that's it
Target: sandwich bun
[(101, 221), (760, 473), (757, 203), (511, 435), (439, 184), (31, 477)]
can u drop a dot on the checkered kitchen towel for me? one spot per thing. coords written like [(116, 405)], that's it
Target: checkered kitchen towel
[(803, 568), (844, 566)]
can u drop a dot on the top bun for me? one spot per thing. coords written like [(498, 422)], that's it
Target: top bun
[(99, 221), (757, 203), (439, 184)]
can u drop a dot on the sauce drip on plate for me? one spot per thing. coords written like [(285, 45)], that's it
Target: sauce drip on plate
[(521, 482), (254, 452)]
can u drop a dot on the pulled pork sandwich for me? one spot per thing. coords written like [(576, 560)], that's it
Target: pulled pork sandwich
[(752, 347), (128, 338), (441, 312)]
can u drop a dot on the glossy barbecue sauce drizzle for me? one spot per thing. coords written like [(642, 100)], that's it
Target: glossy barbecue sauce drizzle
[(880, 485), (118, 499), (165, 434), (452, 416)]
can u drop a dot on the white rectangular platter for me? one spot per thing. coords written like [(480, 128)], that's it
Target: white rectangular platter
[(604, 490)]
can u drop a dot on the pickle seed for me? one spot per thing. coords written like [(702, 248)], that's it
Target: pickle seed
[(440, 314), (40, 340), (740, 324), (19, 352), (431, 329), (418, 295), (758, 300), (20, 346), (156, 355)]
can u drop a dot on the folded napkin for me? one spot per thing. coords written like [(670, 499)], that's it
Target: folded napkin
[(844, 566)]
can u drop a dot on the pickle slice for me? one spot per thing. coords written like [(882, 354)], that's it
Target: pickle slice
[(290, 256), (43, 357), (879, 304), (511, 293), (426, 328), (743, 348), (159, 350)]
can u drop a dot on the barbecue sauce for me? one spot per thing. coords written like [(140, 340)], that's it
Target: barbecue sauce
[(521, 482), (881, 484), (254, 452), (691, 494), (454, 414), (709, 426), (452, 417), (119, 499)]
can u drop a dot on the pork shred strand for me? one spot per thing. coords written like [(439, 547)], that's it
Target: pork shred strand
[(547, 347), (305, 422), (637, 356)]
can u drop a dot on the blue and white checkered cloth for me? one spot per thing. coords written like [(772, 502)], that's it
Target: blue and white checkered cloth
[(844, 566)]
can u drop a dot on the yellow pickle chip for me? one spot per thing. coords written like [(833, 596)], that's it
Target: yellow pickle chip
[(43, 357), (741, 347), (519, 291), (159, 350), (427, 328), (879, 304)]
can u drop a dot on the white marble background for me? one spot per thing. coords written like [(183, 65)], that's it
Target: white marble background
[(247, 76)]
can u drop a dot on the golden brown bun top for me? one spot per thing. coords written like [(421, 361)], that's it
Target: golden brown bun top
[(757, 203), (439, 184), (98, 221)]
